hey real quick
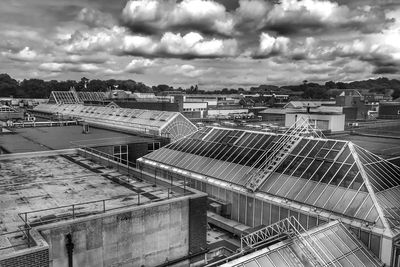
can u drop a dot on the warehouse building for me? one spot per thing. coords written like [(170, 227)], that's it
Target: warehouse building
[(76, 208), (262, 178), (159, 123)]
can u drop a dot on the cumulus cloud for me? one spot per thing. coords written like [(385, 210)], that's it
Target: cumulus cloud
[(60, 67), (139, 45), (316, 16), (381, 55), (286, 17), (270, 46), (194, 45), (97, 39), (95, 18), (26, 54), (186, 70), (190, 45), (76, 58), (139, 65), (251, 14), (150, 16)]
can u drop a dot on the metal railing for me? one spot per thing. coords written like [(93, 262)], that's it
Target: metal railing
[(22, 230), (43, 123), (110, 159), (74, 211)]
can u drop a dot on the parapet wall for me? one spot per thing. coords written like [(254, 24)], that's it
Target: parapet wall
[(35, 256), (148, 235)]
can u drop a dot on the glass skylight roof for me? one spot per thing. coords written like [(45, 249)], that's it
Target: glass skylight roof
[(73, 97), (333, 246), (329, 174), (169, 124)]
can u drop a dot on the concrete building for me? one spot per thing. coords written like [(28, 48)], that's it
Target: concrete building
[(324, 121), (326, 118), (195, 110), (389, 110), (123, 147), (274, 115), (355, 106), (308, 104), (10, 113), (265, 178), (77, 208)]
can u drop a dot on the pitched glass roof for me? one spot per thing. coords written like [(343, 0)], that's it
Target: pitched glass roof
[(169, 124), (73, 97), (333, 246), (332, 175)]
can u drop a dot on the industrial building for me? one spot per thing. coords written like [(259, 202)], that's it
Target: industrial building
[(261, 178), (159, 123), (389, 110), (10, 113), (330, 244), (325, 118), (77, 208), (325, 121)]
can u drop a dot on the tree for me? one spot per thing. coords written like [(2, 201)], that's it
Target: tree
[(330, 85), (34, 88), (8, 86), (96, 86)]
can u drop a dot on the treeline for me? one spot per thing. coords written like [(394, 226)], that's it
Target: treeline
[(330, 89), (37, 88)]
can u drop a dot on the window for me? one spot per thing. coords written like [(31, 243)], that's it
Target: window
[(121, 154), (153, 146)]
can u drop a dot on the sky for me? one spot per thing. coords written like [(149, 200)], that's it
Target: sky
[(211, 43)]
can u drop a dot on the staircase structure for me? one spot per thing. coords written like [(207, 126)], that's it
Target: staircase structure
[(294, 231), (274, 155)]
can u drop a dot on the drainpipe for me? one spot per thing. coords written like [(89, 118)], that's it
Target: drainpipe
[(70, 249)]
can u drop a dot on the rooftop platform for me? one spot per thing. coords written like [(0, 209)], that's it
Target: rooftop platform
[(53, 138), (39, 190)]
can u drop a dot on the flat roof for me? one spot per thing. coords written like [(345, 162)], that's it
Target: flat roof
[(54, 138), (47, 186), (385, 147)]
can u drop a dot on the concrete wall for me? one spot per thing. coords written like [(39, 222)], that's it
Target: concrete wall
[(141, 236), (389, 111), (336, 122)]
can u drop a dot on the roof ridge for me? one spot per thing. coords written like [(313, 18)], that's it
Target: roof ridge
[(369, 186)]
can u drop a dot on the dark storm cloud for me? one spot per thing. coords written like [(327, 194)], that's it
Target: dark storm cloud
[(325, 17), (386, 70), (151, 16)]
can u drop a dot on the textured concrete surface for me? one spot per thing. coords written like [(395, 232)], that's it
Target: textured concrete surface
[(146, 235), (57, 182)]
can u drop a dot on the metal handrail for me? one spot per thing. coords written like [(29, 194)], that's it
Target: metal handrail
[(24, 215)]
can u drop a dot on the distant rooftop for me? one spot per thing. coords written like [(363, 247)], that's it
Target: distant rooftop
[(163, 123), (74, 97), (45, 138)]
